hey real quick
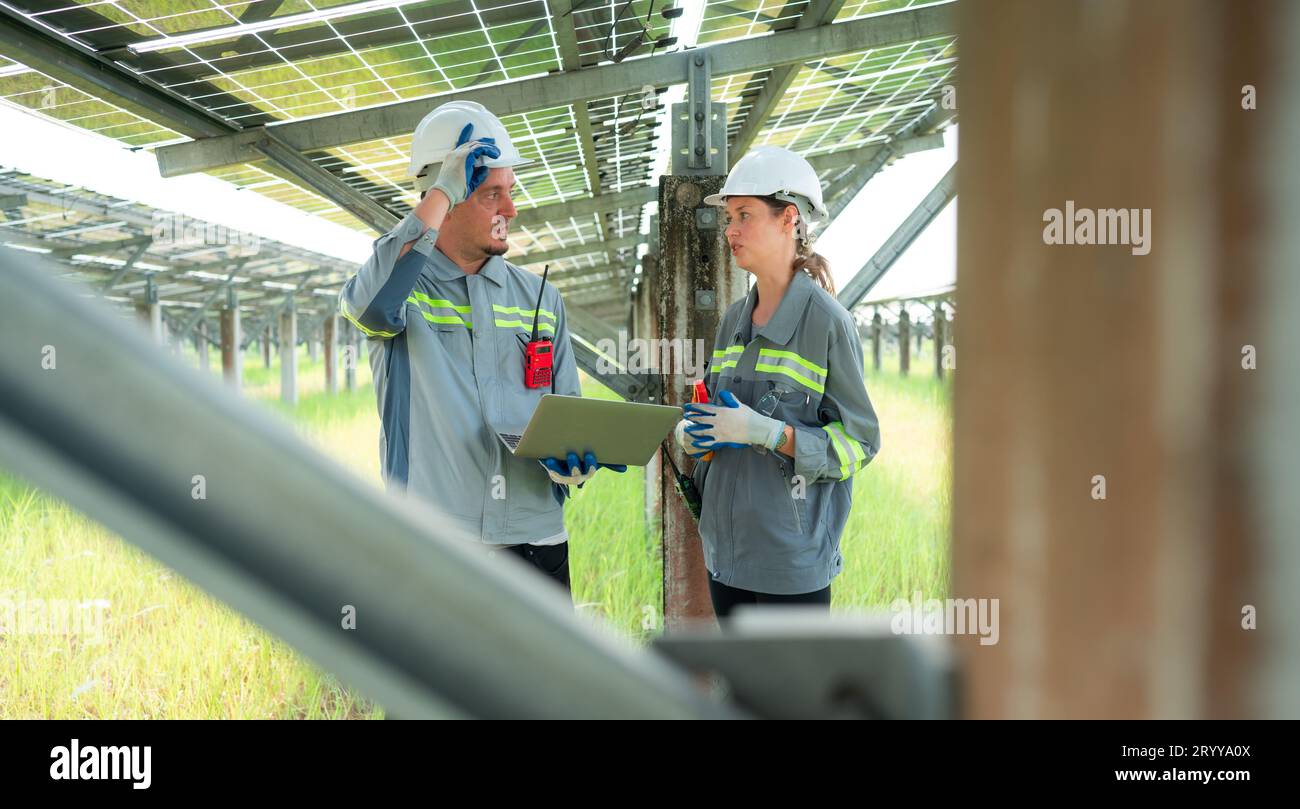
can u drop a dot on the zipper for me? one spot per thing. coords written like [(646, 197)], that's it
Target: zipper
[(789, 494)]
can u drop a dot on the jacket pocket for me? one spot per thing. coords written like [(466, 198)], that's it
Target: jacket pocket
[(791, 500)]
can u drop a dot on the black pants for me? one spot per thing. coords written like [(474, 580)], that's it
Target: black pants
[(725, 598), (551, 560)]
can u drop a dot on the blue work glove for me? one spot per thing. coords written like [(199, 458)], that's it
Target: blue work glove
[(462, 170), (731, 424), (572, 472), (685, 434)]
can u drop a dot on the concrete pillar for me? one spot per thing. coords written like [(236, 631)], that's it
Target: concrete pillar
[(329, 329), (266, 348), (150, 311), (694, 283), (289, 355), (201, 344), (876, 329), (313, 344), (1132, 601), (940, 328), (232, 362), (351, 358), (904, 341), (647, 327)]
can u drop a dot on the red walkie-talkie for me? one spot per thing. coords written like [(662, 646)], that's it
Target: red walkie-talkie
[(537, 354)]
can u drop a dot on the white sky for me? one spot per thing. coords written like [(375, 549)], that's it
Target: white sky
[(64, 153), (881, 206), (61, 152)]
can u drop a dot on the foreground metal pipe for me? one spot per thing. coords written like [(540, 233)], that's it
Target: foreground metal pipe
[(95, 414)]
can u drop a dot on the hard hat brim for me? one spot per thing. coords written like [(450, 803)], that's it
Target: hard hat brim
[(818, 214), (492, 163)]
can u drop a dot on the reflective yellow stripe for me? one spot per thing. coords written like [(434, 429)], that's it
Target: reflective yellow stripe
[(792, 373), (432, 318), (850, 452), (790, 355), (859, 456), (515, 310), (364, 330), (722, 354), (841, 451), (439, 303), (528, 327), (809, 374), (418, 298)]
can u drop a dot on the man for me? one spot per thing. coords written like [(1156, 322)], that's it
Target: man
[(448, 320)]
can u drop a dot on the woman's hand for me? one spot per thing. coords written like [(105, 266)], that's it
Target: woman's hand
[(732, 424)]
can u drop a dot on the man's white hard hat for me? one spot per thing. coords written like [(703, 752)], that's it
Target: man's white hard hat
[(773, 171), (437, 133)]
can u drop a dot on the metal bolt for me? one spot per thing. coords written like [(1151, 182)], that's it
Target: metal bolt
[(699, 116), (699, 59), (699, 150)]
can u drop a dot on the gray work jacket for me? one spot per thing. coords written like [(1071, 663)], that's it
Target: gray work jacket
[(770, 523), (448, 367)]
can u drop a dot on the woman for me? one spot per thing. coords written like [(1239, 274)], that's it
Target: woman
[(789, 422)]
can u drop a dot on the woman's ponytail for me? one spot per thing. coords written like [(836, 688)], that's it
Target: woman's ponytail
[(815, 264)]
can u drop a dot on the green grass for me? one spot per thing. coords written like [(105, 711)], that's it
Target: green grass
[(170, 650)]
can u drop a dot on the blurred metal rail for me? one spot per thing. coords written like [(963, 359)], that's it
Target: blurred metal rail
[(121, 430)]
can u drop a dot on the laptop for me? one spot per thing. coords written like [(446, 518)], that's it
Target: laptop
[(615, 432)]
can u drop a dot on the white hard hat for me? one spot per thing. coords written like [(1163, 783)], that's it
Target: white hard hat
[(771, 171), (437, 133)]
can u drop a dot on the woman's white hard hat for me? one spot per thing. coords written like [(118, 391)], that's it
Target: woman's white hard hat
[(773, 171)]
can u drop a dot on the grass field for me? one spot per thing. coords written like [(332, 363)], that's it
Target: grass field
[(166, 649)]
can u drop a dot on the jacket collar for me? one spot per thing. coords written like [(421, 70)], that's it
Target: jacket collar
[(444, 269), (788, 313)]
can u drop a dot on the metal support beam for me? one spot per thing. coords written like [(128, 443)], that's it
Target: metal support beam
[(215, 296), (904, 341), (150, 311), (570, 59), (328, 185), (817, 12), (570, 280), (64, 60), (842, 193), (126, 267), (330, 343), (351, 356), (572, 250), (232, 362), (914, 225), (269, 317), (440, 629), (100, 248), (607, 370), (591, 327), (578, 208), (875, 341), (201, 340), (289, 355), (693, 283), (101, 78), (940, 335), (697, 124), (560, 89)]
